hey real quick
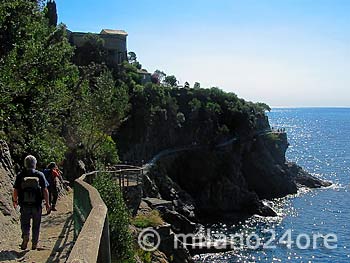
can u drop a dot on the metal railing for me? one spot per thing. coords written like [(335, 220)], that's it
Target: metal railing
[(126, 175)]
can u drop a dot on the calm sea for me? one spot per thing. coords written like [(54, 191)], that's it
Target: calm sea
[(320, 142)]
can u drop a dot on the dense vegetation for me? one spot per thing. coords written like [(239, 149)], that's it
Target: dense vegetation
[(56, 99), (162, 117), (121, 239), (49, 106)]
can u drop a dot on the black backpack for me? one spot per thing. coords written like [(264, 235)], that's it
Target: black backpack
[(31, 190)]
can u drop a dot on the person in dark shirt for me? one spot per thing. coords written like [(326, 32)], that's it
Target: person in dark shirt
[(29, 190)]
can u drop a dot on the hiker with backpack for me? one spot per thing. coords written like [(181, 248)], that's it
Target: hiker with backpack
[(29, 190), (52, 175)]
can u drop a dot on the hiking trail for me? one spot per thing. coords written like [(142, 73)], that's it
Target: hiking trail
[(56, 237)]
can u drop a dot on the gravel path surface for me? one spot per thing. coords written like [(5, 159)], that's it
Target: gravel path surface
[(56, 237)]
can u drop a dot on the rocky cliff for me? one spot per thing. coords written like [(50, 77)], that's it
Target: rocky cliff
[(8, 215), (228, 181)]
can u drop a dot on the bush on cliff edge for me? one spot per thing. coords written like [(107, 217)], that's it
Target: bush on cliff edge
[(121, 239)]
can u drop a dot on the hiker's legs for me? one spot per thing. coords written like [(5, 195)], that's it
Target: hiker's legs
[(25, 221), (36, 224), (25, 217), (50, 194), (54, 197)]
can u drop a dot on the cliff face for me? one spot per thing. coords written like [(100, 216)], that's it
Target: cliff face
[(8, 215), (264, 166), (231, 180), (7, 176)]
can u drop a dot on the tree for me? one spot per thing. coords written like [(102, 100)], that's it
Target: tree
[(37, 78), (52, 13), (137, 65), (91, 51), (171, 81), (132, 57), (95, 115), (262, 107)]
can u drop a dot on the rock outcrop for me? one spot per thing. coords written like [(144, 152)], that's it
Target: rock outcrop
[(8, 215), (230, 181), (7, 176), (73, 167), (222, 182)]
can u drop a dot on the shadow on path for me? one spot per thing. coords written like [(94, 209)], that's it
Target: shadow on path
[(63, 244), (6, 255)]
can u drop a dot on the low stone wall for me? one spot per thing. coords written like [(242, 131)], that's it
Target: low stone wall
[(90, 224)]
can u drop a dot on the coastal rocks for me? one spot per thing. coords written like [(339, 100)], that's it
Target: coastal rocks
[(264, 167), (171, 191), (171, 247), (179, 223), (155, 203), (267, 172), (302, 178), (230, 182), (265, 210), (210, 183)]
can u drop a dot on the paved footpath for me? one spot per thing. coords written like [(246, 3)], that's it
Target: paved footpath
[(56, 237)]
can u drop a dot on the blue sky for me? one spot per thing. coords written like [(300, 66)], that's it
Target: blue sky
[(282, 52)]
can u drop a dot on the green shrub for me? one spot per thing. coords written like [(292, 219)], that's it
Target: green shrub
[(153, 219), (121, 238), (273, 137), (144, 256)]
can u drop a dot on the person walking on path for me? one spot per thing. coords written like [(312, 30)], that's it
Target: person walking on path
[(29, 190), (53, 175)]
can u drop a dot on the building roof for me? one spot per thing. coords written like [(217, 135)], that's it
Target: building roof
[(113, 32), (143, 71)]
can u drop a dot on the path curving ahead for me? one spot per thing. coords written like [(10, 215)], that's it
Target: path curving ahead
[(230, 141), (56, 237)]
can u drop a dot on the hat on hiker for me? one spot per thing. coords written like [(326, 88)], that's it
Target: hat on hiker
[(30, 162)]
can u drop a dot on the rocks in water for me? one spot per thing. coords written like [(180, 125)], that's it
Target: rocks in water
[(223, 184), (264, 168), (207, 183), (265, 210), (302, 178)]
